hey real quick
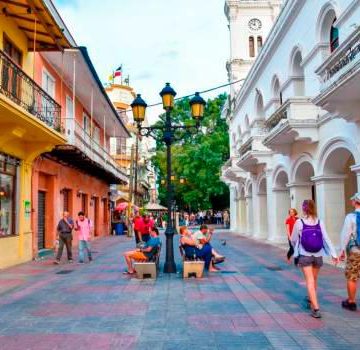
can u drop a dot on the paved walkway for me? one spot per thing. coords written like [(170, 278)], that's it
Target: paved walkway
[(255, 303)]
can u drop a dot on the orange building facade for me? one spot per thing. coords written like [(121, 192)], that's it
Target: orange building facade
[(76, 176)]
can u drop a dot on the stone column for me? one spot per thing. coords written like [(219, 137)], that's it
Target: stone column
[(280, 207), (243, 217), (260, 214), (249, 215), (330, 200), (233, 208), (356, 169), (299, 191)]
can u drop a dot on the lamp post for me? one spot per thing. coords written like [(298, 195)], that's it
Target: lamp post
[(197, 104)]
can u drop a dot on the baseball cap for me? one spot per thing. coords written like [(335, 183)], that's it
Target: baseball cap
[(356, 197)]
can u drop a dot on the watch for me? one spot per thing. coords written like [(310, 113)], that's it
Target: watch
[(255, 24)]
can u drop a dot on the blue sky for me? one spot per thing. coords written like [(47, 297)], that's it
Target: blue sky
[(184, 42)]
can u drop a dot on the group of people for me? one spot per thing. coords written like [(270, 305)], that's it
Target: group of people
[(197, 246), (309, 243), (205, 217), (83, 226)]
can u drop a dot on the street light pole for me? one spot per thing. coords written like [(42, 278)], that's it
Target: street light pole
[(136, 168), (197, 104), (169, 266)]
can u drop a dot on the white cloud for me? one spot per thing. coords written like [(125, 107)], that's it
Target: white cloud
[(184, 42)]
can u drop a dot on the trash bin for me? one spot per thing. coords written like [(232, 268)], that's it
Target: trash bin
[(119, 229)]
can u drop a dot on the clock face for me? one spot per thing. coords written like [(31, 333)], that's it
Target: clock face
[(255, 24)]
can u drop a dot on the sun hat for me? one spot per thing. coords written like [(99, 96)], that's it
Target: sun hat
[(356, 197)]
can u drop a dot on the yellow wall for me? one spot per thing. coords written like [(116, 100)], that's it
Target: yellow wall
[(23, 136), (17, 36)]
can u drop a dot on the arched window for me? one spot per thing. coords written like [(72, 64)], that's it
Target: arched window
[(334, 37), (251, 47), (259, 43)]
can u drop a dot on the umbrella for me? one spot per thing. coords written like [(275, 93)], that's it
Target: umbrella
[(121, 206)]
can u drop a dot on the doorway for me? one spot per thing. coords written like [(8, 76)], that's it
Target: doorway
[(41, 219)]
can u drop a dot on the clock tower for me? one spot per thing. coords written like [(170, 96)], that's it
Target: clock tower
[(250, 22)]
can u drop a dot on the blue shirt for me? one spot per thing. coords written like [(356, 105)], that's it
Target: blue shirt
[(153, 242)]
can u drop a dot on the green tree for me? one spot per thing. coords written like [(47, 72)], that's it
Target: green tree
[(198, 158)]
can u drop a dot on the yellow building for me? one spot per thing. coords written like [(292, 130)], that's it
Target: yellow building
[(30, 120)]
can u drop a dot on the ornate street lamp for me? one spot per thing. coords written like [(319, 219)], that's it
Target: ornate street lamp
[(197, 104)]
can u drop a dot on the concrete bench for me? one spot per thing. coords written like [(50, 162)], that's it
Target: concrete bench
[(191, 268), (148, 269)]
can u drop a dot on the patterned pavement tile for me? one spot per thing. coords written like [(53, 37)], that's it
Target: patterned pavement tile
[(254, 303)]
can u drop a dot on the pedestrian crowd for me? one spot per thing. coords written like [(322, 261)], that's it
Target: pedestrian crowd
[(309, 243), (205, 217)]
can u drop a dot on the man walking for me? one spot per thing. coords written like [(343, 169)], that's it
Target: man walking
[(64, 236), (84, 227), (350, 245)]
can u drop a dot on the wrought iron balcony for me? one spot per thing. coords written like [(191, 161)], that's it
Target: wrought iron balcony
[(16, 85)]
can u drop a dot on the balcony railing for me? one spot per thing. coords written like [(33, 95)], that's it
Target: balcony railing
[(86, 143), (21, 89), (276, 118), (246, 147)]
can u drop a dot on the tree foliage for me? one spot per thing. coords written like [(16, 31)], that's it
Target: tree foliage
[(198, 158)]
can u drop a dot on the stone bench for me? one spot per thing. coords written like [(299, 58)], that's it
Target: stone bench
[(148, 269), (191, 268)]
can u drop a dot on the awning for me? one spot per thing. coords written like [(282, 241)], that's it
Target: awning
[(154, 207)]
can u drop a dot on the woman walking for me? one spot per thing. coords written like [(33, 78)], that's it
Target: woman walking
[(311, 242), (289, 223)]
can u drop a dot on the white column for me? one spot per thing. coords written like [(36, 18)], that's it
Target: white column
[(233, 208), (330, 200), (242, 215), (249, 215), (280, 207), (356, 169), (298, 193), (260, 214), (271, 206)]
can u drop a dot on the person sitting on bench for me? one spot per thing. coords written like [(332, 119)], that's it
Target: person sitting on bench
[(192, 251), (203, 236), (143, 254)]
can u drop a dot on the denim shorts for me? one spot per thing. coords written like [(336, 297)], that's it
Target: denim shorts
[(315, 261)]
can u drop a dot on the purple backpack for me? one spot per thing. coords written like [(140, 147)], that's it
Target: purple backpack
[(312, 238)]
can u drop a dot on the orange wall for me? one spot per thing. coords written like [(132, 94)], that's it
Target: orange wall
[(52, 177)]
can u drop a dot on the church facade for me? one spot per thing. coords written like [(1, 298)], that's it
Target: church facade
[(294, 121)]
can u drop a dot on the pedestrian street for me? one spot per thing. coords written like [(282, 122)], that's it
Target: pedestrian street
[(255, 302)]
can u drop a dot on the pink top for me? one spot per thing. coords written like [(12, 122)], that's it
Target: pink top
[(84, 230)]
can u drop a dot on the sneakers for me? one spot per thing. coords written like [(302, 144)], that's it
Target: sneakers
[(349, 306), (315, 313), (71, 261), (80, 262), (57, 262)]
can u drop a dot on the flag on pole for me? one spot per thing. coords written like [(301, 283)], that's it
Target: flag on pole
[(118, 72)]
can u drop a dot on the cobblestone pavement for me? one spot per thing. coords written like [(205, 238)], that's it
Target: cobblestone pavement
[(254, 303)]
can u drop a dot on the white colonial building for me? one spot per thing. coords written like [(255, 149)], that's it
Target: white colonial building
[(295, 122)]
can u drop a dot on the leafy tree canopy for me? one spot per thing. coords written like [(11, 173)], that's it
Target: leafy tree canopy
[(198, 158)]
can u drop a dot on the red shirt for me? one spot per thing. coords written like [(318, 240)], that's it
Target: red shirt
[(138, 221), (145, 226), (291, 222)]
